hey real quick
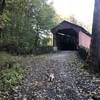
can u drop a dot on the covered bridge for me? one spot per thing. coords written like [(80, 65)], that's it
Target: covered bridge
[(69, 36)]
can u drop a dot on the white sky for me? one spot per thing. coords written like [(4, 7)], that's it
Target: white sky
[(81, 9)]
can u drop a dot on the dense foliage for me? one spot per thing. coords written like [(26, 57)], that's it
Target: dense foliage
[(10, 77), (26, 24), (11, 72)]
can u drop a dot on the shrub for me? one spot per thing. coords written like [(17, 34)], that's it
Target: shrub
[(10, 77), (11, 71), (83, 52), (6, 60)]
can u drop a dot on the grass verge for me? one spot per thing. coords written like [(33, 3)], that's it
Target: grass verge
[(11, 72)]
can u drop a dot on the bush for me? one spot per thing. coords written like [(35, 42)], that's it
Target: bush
[(83, 52), (10, 77), (42, 50), (24, 50), (11, 72), (6, 60)]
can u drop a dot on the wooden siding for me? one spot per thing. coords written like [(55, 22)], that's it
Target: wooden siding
[(84, 40)]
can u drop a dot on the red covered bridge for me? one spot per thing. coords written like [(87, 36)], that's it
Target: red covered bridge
[(69, 36)]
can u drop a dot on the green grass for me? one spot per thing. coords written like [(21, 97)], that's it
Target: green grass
[(6, 60), (11, 72)]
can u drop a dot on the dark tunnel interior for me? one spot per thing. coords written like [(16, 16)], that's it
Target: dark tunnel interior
[(67, 39)]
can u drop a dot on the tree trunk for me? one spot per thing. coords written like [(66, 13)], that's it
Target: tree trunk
[(2, 5), (95, 41)]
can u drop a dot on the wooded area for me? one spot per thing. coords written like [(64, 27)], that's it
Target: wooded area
[(24, 29), (26, 24)]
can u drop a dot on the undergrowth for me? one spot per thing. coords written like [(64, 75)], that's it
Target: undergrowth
[(11, 72)]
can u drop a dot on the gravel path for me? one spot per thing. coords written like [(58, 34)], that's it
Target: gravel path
[(70, 81)]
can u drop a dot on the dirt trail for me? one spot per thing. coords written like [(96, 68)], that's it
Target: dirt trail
[(70, 81)]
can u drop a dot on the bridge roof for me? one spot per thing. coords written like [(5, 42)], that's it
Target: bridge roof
[(68, 25)]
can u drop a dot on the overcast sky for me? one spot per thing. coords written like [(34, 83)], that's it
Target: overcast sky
[(81, 9)]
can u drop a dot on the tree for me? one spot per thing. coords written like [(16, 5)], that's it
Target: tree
[(2, 5), (26, 22), (73, 19), (94, 58), (43, 19)]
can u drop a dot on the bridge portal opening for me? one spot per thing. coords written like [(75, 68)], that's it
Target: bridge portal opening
[(67, 39)]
